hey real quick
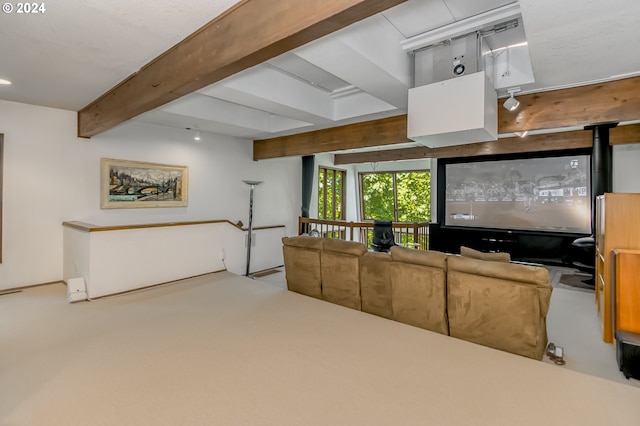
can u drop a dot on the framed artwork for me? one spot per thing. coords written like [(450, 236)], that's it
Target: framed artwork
[(134, 184)]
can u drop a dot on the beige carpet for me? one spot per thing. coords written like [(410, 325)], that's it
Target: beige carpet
[(572, 323), (227, 350)]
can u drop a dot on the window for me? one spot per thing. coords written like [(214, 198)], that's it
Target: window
[(331, 201), (396, 196)]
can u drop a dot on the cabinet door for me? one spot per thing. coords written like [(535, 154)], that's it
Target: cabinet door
[(627, 290)]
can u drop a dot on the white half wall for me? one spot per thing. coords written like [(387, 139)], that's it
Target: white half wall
[(115, 261), (51, 176)]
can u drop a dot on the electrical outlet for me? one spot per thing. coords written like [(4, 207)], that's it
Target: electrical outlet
[(559, 352)]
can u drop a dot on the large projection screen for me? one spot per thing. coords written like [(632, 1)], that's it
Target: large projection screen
[(540, 194)]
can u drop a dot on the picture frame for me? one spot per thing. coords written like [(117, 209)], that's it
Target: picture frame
[(127, 184)]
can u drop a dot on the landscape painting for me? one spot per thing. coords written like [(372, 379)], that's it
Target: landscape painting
[(135, 184)]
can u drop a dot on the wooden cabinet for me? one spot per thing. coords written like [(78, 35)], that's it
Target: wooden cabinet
[(626, 285), (617, 227)]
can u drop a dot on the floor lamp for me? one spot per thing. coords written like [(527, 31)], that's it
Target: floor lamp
[(252, 184)]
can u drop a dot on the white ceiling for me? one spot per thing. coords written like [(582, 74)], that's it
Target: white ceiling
[(76, 50)]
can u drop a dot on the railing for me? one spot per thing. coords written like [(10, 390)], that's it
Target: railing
[(408, 234)]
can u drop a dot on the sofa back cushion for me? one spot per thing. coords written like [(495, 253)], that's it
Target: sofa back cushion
[(496, 257), (418, 288), (498, 305), (342, 246), (302, 265), (340, 272), (375, 284), (511, 271), (431, 258)]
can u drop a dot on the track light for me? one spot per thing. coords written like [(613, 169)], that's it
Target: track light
[(511, 104)]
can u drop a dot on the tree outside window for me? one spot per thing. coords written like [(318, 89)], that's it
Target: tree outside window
[(396, 196)]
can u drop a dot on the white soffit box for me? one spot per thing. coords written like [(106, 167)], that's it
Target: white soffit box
[(457, 111)]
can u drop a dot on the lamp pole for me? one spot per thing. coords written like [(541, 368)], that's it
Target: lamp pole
[(252, 184)]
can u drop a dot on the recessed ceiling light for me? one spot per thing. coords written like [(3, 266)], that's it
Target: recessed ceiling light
[(5, 82)]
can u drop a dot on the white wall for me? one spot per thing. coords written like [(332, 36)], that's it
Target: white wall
[(626, 168), (51, 176)]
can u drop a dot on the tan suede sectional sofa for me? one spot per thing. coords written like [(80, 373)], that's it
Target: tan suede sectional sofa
[(479, 297)]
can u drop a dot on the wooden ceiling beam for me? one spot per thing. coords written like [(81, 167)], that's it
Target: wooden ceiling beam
[(624, 134), (545, 142), (613, 101), (397, 154), (532, 143), (385, 131), (248, 34)]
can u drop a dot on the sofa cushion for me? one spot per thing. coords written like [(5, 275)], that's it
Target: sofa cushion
[(502, 270), (418, 288), (340, 272), (475, 254), (342, 246), (418, 296), (432, 258), (500, 314), (500, 305), (375, 284)]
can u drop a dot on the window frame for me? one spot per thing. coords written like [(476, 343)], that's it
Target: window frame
[(343, 201)]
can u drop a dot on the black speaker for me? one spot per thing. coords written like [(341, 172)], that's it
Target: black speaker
[(382, 236), (628, 353)]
